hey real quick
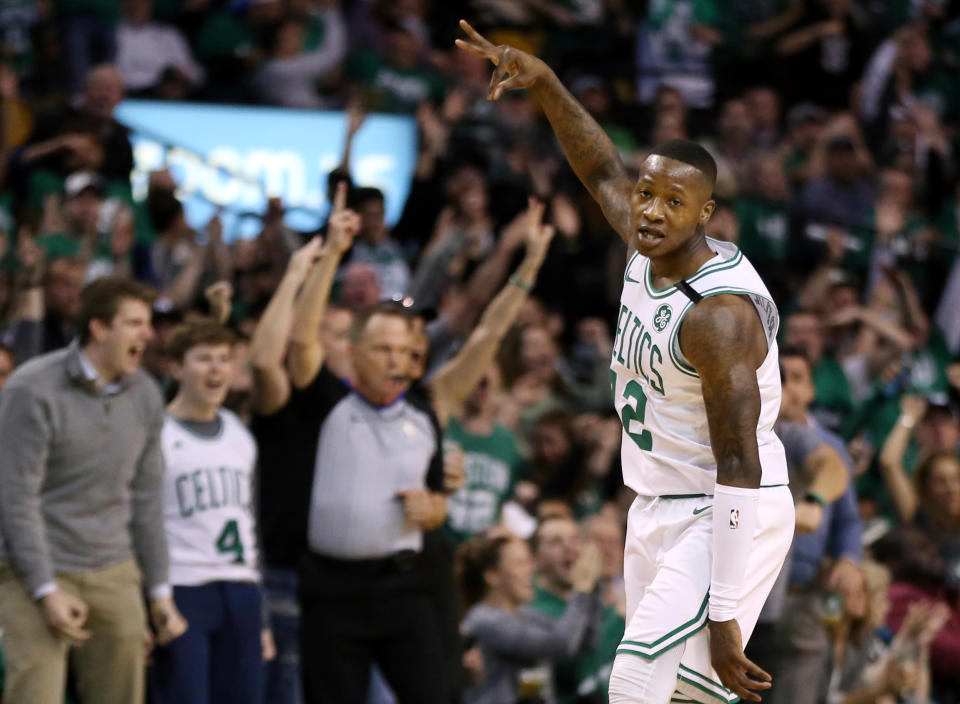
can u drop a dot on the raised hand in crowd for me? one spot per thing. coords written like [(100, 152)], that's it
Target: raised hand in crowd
[(587, 569), (219, 297)]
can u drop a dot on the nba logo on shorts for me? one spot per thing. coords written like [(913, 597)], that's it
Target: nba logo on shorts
[(734, 518)]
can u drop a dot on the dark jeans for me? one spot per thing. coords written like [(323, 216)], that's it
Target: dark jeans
[(282, 681), (218, 659), (356, 613)]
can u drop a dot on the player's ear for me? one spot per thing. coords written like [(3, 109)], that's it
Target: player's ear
[(706, 211)]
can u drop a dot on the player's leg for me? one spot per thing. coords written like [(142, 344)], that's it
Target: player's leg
[(181, 669), (767, 554), (674, 545), (639, 551), (236, 658), (635, 680)]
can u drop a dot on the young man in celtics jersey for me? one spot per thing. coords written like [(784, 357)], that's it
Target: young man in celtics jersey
[(210, 457), (696, 383)]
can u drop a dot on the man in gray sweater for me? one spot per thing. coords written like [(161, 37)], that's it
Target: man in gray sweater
[(81, 496)]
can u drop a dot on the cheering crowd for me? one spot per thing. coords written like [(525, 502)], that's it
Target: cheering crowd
[(378, 464)]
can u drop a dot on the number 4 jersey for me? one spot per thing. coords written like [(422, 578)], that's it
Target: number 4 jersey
[(666, 441), (208, 507)]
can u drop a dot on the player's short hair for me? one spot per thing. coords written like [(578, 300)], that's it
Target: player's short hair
[(689, 152), (189, 335), (362, 317), (101, 298)]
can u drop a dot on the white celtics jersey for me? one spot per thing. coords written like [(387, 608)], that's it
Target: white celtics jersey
[(208, 504), (665, 449)]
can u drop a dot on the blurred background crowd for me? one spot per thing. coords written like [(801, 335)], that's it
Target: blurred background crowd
[(835, 127)]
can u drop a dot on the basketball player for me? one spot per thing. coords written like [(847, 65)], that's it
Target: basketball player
[(696, 383), (209, 457)]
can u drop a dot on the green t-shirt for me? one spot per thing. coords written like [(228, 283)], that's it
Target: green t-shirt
[(832, 400), (390, 88), (764, 229), (587, 673), (224, 34), (491, 463)]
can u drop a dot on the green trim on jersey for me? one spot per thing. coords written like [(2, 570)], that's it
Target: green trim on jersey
[(721, 265), (626, 269), (673, 346), (706, 684), (684, 496), (670, 640)]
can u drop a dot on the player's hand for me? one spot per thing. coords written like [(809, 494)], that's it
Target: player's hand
[(167, 620), (515, 69), (65, 614), (737, 673), (344, 224)]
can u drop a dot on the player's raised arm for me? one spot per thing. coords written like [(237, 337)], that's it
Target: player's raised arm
[(587, 147), (723, 339)]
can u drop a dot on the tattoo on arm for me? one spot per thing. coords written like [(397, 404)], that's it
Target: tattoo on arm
[(723, 339), (590, 152)]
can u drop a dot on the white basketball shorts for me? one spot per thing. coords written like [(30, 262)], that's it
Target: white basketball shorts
[(667, 564)]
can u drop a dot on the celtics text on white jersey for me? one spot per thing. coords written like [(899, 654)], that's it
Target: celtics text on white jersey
[(208, 502), (666, 441)]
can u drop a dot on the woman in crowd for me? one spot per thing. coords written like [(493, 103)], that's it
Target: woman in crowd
[(496, 581)]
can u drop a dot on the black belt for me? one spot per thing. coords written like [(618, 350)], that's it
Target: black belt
[(398, 562)]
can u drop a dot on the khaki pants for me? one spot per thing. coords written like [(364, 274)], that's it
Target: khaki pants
[(108, 668)]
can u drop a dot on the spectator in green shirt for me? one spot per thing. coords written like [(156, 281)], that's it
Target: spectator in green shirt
[(583, 678), (763, 216), (832, 401), (395, 81), (490, 460)]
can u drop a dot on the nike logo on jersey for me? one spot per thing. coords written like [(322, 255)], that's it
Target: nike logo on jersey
[(698, 511)]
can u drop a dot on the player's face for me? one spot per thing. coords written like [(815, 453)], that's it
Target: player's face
[(514, 574), (381, 358), (797, 388), (206, 373), (669, 203), (558, 548)]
